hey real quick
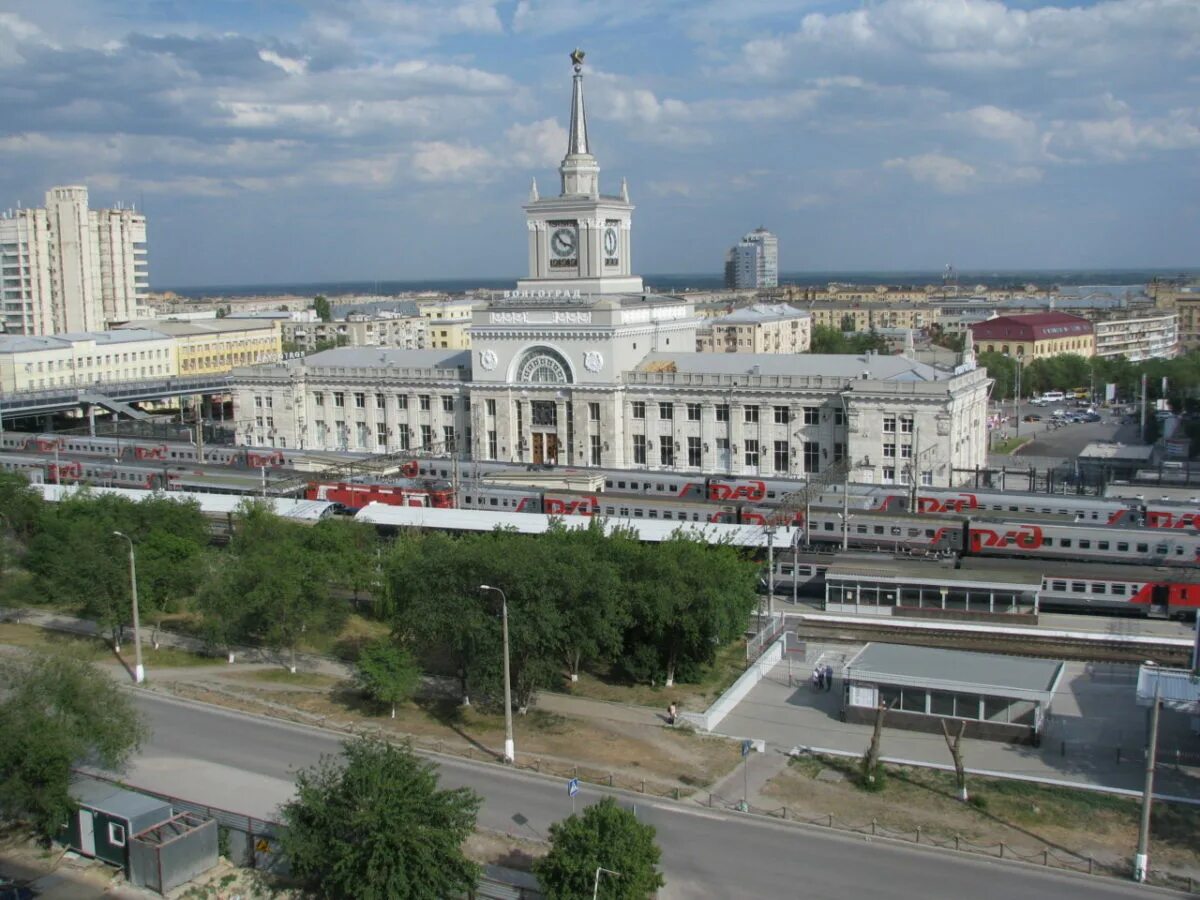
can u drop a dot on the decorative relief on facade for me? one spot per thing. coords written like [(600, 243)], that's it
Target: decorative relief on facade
[(488, 360), (541, 365), (554, 317), (593, 361)]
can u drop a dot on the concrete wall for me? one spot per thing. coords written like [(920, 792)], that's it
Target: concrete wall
[(912, 721), (723, 705)]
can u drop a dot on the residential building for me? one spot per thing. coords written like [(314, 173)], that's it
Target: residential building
[(357, 331), (216, 346), (84, 359), (441, 308), (448, 334), (573, 368), (753, 262), (67, 268), (1035, 336), (866, 317), (1138, 335), (1186, 302), (759, 328)]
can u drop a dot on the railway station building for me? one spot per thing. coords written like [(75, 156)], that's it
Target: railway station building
[(580, 365), (1001, 698)]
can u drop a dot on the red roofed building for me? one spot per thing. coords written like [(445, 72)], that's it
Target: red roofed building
[(1035, 336)]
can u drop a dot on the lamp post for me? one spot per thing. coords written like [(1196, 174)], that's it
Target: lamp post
[(596, 883), (139, 671), (510, 751)]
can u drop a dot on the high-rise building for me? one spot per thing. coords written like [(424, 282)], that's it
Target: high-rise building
[(66, 268), (754, 261)]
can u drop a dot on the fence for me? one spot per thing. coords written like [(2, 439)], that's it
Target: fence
[(723, 705), (774, 626)]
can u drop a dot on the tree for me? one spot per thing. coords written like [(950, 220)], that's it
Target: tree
[(607, 836), (386, 673), (375, 826), (57, 712), (827, 339), (872, 770), (954, 745), (321, 305)]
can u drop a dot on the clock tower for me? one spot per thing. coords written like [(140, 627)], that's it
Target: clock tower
[(579, 240)]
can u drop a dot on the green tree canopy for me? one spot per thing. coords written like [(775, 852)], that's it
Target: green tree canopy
[(57, 712), (386, 673), (607, 836), (321, 305), (375, 826)]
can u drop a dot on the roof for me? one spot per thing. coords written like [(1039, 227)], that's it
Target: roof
[(839, 365), (957, 670), (213, 504), (1177, 688), (388, 358), (894, 572), (535, 523), (1104, 450), (113, 800), (762, 312), (28, 343), (194, 327), (1032, 327)]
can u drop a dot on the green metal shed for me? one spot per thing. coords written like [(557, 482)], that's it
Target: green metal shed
[(107, 817)]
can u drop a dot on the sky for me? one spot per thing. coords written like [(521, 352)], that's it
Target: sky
[(316, 140)]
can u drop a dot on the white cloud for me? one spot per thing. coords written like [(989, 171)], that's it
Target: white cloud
[(291, 66), (441, 161), (537, 144), (1001, 125), (945, 173), (1123, 137)]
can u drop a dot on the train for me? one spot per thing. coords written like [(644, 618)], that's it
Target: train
[(357, 494), (142, 450), (108, 473)]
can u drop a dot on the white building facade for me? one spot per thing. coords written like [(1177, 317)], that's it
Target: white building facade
[(67, 268), (753, 262), (580, 367)]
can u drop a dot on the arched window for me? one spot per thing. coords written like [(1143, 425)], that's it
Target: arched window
[(541, 365)]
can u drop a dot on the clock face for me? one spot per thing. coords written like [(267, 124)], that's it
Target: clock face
[(610, 242), (562, 242)]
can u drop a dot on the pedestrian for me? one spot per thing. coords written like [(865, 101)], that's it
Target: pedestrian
[(829, 678), (671, 714), (816, 679)]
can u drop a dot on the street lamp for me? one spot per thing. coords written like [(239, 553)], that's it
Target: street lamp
[(596, 883), (139, 671), (510, 751)]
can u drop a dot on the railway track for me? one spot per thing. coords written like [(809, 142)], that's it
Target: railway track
[(1085, 646)]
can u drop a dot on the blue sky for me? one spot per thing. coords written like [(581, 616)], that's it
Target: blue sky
[(362, 139)]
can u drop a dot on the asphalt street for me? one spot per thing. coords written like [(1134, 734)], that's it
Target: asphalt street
[(247, 764)]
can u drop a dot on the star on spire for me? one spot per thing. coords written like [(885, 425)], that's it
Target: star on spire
[(577, 58)]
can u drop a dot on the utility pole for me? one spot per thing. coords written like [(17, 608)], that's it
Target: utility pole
[(1141, 861), (139, 671), (1143, 405), (510, 750), (770, 574)]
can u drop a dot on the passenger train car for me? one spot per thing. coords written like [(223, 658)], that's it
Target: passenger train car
[(131, 449), (72, 471)]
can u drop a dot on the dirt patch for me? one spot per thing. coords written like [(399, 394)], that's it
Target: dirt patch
[(491, 848), (655, 759), (1024, 816)]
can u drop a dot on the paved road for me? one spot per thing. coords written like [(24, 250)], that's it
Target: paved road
[(247, 764)]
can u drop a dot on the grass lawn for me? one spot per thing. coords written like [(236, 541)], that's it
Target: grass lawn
[(95, 649), (1008, 446), (283, 676), (729, 664), (345, 645)]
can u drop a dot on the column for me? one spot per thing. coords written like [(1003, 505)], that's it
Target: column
[(708, 436)]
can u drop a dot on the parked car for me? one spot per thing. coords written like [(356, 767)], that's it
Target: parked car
[(1033, 417)]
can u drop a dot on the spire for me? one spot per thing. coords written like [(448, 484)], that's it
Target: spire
[(624, 190), (533, 191), (577, 141)]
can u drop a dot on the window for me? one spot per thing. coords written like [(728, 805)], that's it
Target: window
[(906, 424), (491, 438), (491, 407), (638, 409), (839, 451), (593, 412), (723, 412), (258, 402), (447, 404), (116, 834), (812, 415), (751, 415), (426, 437), (595, 449), (752, 449), (781, 415), (889, 475), (360, 400), (693, 412), (927, 479), (695, 460), (889, 424), (380, 401), (402, 402), (781, 456), (666, 452), (906, 451), (339, 399), (381, 435), (839, 416), (448, 438), (812, 456), (424, 399), (889, 451), (639, 449), (666, 411)]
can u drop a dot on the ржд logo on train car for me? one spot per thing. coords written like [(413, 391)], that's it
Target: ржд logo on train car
[(1026, 537), (584, 506), (947, 504), (1157, 518), (750, 490)]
